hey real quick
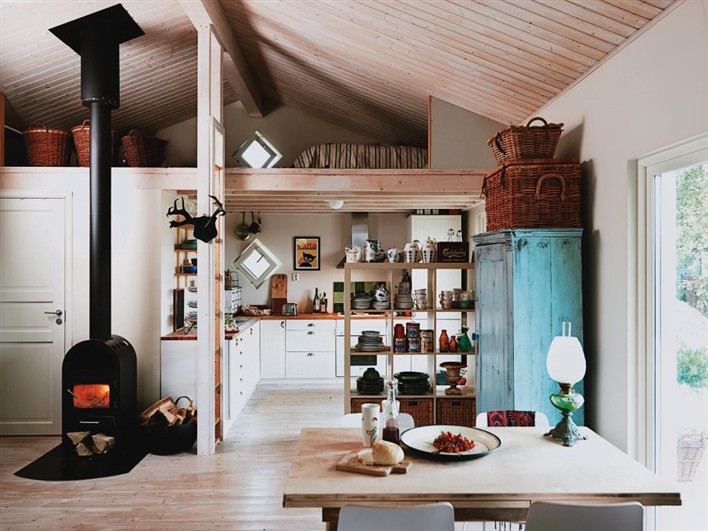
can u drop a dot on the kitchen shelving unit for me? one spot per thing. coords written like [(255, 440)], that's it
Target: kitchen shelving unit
[(434, 407)]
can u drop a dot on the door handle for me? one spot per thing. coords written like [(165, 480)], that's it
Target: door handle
[(310, 333), (310, 325), (58, 313)]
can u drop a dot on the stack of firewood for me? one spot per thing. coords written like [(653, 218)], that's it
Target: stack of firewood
[(165, 412), (87, 444)]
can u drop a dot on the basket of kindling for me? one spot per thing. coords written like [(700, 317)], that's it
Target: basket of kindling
[(526, 142), (45, 146), (142, 151), (82, 141), (533, 194)]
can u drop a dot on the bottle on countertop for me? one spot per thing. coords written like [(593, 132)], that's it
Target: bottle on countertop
[(323, 303), (391, 431), (316, 302)]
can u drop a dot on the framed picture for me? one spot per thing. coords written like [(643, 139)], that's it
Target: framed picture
[(307, 253)]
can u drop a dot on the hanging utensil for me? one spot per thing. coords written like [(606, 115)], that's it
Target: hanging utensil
[(243, 231), (255, 228)]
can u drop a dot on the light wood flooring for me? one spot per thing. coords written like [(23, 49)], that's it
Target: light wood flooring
[(239, 488)]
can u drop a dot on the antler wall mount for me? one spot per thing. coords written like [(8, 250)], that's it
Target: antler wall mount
[(204, 226)]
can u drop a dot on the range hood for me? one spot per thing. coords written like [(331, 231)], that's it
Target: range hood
[(360, 233)]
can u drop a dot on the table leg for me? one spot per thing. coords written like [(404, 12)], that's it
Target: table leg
[(330, 516)]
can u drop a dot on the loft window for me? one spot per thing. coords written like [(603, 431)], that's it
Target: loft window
[(257, 152)]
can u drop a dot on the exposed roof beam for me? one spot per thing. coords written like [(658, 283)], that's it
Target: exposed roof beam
[(236, 70)]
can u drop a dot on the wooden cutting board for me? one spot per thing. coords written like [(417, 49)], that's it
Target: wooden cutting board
[(279, 287), (351, 463)]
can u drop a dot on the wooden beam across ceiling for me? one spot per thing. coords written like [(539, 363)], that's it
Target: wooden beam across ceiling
[(236, 70)]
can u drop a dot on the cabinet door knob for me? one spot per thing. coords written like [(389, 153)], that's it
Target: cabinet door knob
[(282, 324), (310, 355), (311, 325), (310, 333)]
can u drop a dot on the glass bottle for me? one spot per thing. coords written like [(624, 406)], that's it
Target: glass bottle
[(453, 344), (316, 302), (323, 303), (464, 343), (444, 341), (391, 432)]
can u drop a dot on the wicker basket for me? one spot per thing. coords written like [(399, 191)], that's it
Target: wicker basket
[(143, 151), (533, 194), (690, 450), (82, 141), (526, 142), (456, 411), (421, 409), (46, 147)]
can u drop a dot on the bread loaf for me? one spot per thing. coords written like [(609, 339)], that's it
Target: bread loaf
[(386, 453)]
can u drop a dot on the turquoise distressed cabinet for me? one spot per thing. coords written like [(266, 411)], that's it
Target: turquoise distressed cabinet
[(528, 282)]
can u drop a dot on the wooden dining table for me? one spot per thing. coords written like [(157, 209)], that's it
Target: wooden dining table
[(499, 486)]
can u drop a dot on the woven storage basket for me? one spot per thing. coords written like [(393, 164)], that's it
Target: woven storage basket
[(421, 409), (143, 151), (82, 141), (456, 411), (538, 194), (46, 147), (526, 142), (690, 450)]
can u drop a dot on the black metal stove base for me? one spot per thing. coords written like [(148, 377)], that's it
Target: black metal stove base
[(60, 464)]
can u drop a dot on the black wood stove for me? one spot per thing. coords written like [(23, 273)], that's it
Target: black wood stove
[(99, 376)]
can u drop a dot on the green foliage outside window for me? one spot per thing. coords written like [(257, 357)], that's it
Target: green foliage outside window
[(692, 244), (692, 367)]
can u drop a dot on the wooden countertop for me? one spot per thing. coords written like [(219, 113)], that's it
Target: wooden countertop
[(179, 335)]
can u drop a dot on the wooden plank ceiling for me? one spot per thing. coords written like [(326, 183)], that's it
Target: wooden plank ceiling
[(368, 66)]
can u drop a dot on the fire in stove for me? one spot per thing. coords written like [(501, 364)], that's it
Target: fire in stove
[(89, 396)]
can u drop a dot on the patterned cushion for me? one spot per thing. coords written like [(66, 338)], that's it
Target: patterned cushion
[(511, 418)]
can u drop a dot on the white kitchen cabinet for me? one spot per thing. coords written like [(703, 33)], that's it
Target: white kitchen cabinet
[(244, 368), (310, 364), (310, 348), (272, 348)]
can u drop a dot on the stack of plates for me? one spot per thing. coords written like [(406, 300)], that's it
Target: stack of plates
[(403, 301), (378, 305), (412, 383), (362, 302), (370, 341), (368, 387)]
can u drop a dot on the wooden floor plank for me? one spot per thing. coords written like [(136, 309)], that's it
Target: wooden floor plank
[(239, 488)]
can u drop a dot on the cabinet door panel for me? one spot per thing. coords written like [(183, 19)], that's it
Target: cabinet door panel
[(310, 365), (310, 340), (272, 349)]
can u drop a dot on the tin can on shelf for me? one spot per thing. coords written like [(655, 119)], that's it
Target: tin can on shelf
[(413, 344), (427, 341), (399, 344), (412, 330)]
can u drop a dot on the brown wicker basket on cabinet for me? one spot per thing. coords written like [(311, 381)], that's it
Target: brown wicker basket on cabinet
[(456, 411), (45, 146), (526, 142), (533, 194)]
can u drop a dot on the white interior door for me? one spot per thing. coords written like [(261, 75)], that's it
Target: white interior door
[(32, 287)]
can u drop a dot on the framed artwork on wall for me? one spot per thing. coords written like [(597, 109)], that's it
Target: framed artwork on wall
[(307, 253)]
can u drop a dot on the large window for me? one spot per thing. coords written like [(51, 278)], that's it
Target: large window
[(672, 353)]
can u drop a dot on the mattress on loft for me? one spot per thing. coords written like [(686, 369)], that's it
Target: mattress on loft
[(362, 156)]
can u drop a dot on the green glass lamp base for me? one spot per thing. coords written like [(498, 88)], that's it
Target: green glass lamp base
[(566, 431), (567, 401)]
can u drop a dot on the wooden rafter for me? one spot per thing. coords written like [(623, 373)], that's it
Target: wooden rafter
[(236, 70)]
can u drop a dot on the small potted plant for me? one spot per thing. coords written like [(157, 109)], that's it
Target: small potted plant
[(692, 371)]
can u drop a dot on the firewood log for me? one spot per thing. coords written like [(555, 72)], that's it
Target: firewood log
[(77, 436), (160, 405), (101, 443), (83, 450)]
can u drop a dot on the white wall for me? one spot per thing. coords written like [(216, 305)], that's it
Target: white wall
[(289, 129), (458, 137), (335, 232), (651, 94)]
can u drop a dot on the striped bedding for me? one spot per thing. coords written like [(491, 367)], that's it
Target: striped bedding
[(362, 156)]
